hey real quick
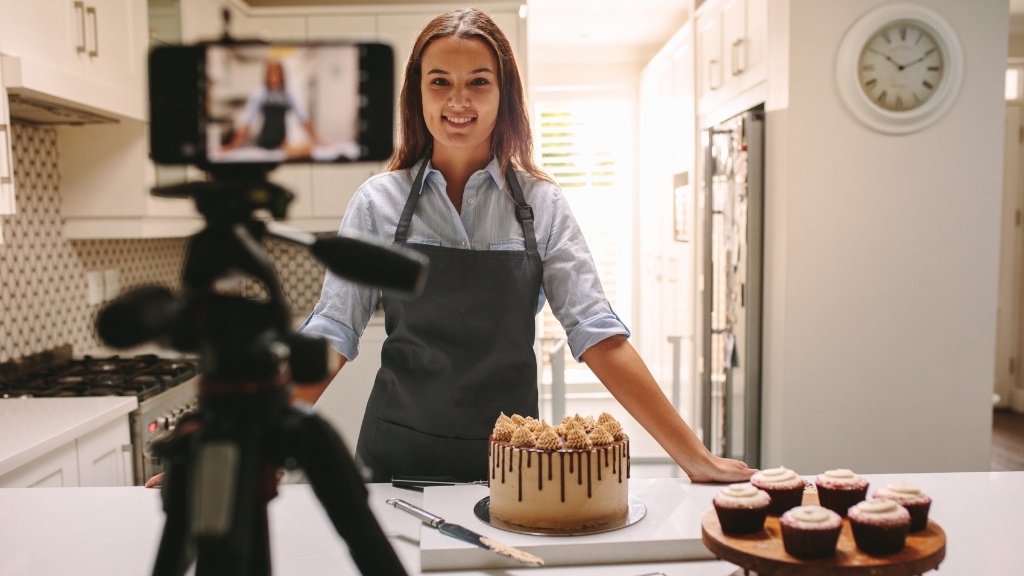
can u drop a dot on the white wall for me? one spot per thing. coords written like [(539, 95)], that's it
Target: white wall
[(881, 258)]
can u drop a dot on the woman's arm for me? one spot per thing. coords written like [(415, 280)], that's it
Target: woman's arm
[(617, 364)]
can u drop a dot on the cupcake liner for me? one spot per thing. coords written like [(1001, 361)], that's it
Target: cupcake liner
[(810, 543), (741, 520), (783, 500), (839, 501), (875, 539), (918, 515)]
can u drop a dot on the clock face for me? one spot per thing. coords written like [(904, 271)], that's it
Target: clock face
[(900, 67)]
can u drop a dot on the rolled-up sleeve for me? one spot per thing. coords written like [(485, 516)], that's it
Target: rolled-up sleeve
[(345, 307), (572, 285)]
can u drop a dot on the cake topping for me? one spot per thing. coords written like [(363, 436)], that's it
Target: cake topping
[(904, 493), (810, 514), (600, 436), (561, 430), (779, 474), (615, 429), (518, 420), (904, 489), (605, 418), (548, 440), (742, 496), (566, 420), (535, 426), (841, 479), (504, 429), (880, 511), (876, 506), (840, 474), (523, 438), (577, 439), (589, 423), (579, 421)]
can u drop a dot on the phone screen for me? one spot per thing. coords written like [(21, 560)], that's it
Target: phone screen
[(282, 103)]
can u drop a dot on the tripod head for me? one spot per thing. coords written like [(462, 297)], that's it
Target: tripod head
[(243, 339)]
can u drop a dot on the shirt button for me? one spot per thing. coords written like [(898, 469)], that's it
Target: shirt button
[(480, 175), (463, 242), (470, 201)]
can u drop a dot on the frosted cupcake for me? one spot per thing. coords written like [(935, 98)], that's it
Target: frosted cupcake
[(879, 526), (784, 486), (840, 489), (910, 497), (741, 508), (810, 531)]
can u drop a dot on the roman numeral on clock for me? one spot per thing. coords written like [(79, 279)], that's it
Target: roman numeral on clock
[(933, 68), (903, 34), (882, 96), (871, 83), (899, 102), (927, 84)]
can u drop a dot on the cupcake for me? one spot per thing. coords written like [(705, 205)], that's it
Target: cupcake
[(879, 526), (911, 498), (810, 531), (742, 508), (784, 486), (840, 489)]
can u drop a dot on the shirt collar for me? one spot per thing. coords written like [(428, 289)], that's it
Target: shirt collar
[(493, 168)]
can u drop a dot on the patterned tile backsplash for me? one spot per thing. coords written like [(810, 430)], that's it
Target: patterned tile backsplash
[(42, 275)]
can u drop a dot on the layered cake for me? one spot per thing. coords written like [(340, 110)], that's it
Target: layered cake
[(571, 476)]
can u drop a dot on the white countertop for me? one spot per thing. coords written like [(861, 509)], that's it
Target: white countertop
[(102, 531), (31, 427)]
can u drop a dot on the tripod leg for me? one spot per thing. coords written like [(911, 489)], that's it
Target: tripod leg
[(321, 453), (176, 552)]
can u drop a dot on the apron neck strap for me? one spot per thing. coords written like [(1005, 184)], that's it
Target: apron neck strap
[(524, 212)]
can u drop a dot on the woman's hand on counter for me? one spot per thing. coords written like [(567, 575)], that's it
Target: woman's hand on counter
[(616, 363), (155, 481)]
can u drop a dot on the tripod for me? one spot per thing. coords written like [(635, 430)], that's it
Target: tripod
[(223, 459)]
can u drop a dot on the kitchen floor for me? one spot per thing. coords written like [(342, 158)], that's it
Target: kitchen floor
[(1007, 452)]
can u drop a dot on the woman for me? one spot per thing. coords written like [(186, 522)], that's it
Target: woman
[(272, 101), (463, 189)]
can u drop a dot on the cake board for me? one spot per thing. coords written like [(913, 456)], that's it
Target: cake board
[(671, 531)]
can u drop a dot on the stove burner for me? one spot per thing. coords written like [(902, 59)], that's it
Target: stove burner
[(142, 376)]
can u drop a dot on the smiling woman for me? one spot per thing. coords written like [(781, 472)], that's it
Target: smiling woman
[(463, 189)]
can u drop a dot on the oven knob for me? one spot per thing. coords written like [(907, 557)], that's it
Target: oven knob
[(161, 423)]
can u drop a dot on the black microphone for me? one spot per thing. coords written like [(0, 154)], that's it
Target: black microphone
[(364, 261), (141, 315)]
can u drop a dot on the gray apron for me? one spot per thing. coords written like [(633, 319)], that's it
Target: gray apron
[(455, 357)]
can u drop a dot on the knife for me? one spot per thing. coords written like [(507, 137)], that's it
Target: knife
[(464, 534)]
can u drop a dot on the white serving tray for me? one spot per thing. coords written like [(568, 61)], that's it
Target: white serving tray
[(670, 532)]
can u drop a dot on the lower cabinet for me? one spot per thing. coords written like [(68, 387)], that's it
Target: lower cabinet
[(100, 458)]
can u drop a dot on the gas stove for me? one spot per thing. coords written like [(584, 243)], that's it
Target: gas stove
[(165, 387), (141, 376)]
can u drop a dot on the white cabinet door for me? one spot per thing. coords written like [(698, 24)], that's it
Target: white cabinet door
[(358, 27), (756, 66), (56, 469), (334, 186), (734, 38), (44, 31), (116, 44), (710, 70), (103, 459)]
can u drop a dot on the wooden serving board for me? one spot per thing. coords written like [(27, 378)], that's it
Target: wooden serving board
[(764, 553)]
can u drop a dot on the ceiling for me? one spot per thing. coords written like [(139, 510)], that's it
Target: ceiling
[(576, 30)]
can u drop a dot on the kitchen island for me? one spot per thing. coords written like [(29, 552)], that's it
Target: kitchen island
[(102, 531)]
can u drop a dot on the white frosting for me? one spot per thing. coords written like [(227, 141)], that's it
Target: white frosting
[(840, 474), (877, 506), (879, 510), (740, 491), (810, 514), (780, 474), (904, 489)]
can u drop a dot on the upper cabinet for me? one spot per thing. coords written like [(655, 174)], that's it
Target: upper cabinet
[(732, 38), (84, 54)]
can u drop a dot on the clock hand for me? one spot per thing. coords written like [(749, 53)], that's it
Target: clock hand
[(921, 59), (894, 63)]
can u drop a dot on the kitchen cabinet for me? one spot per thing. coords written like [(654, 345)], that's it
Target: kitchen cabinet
[(732, 39), (87, 54), (99, 457)]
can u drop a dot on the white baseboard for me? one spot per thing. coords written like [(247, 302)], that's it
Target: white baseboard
[(1017, 401)]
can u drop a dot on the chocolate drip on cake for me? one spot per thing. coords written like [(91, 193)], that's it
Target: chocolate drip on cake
[(540, 472), (550, 456), (520, 475), (579, 468), (605, 450), (628, 459), (618, 451), (502, 464), (510, 458), (561, 458), (588, 474), (529, 458), (570, 463)]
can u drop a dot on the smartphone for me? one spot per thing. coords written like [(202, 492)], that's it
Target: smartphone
[(257, 103)]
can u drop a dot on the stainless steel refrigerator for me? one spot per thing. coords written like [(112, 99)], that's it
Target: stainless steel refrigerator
[(730, 249)]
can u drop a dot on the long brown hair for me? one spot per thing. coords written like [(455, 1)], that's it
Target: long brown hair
[(511, 139)]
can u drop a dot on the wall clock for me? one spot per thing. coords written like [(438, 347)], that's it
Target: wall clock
[(899, 68)]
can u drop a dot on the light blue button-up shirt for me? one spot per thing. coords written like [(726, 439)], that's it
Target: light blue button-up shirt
[(487, 222)]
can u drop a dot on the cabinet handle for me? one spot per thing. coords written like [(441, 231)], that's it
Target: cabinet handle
[(736, 68), (91, 10), (712, 64), (80, 8)]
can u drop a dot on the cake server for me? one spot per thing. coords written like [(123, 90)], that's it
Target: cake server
[(466, 535)]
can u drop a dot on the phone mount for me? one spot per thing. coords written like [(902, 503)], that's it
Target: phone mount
[(223, 459)]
